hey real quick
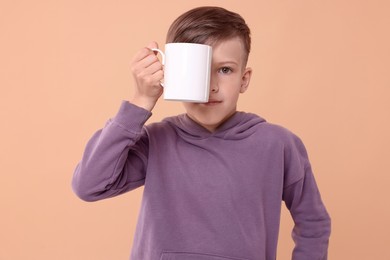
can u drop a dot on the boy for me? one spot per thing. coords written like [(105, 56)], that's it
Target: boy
[(213, 178)]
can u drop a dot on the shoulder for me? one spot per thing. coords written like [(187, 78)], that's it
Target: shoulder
[(276, 132), (282, 136), (294, 150)]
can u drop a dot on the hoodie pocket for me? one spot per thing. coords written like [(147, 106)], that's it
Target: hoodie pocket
[(195, 256)]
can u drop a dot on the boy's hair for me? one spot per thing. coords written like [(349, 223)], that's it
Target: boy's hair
[(209, 25)]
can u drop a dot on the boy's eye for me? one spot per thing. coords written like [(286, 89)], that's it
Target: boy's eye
[(225, 70)]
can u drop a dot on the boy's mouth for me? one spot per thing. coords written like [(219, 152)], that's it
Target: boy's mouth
[(213, 102)]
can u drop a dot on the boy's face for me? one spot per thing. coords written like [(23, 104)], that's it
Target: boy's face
[(228, 78)]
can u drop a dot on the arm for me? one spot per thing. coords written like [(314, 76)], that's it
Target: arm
[(115, 158), (312, 222)]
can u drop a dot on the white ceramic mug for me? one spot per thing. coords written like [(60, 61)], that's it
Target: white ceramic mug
[(186, 72)]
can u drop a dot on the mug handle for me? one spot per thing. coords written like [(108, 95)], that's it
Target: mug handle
[(163, 60), (161, 53)]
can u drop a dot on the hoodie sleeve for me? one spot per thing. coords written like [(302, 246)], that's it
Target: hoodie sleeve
[(301, 195), (115, 158)]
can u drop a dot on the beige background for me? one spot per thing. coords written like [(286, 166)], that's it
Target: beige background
[(321, 69)]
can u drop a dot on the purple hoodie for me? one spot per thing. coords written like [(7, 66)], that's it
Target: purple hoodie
[(207, 196)]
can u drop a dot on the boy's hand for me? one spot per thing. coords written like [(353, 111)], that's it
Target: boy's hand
[(147, 72)]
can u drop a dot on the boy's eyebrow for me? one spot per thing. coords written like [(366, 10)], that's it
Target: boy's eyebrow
[(226, 62)]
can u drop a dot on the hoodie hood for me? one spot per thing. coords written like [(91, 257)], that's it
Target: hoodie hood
[(240, 125)]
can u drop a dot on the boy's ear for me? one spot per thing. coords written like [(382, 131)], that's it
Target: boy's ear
[(246, 77)]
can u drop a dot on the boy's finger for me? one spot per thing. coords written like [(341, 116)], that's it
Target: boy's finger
[(152, 45), (144, 52), (153, 67), (148, 60)]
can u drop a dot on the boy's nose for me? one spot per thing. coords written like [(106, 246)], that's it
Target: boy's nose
[(213, 86)]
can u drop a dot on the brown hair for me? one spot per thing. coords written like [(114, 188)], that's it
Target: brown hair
[(209, 25)]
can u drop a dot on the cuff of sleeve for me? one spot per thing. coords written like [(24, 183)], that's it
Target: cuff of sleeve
[(131, 117)]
